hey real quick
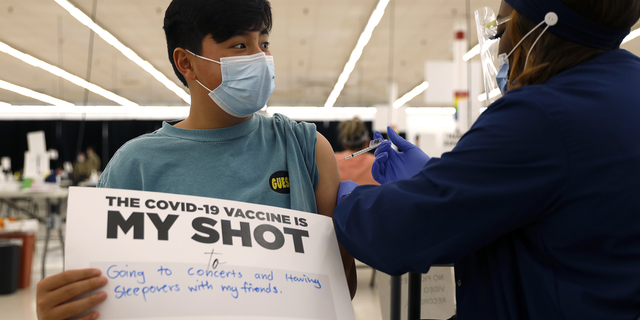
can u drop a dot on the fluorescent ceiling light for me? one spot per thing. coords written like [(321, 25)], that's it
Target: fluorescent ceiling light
[(411, 94), (66, 75), (110, 39), (472, 53), (91, 113), (494, 93), (634, 34), (476, 50), (357, 52), (32, 94), (431, 111), (345, 110), (324, 114)]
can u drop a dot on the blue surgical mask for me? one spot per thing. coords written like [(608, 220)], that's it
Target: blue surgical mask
[(502, 78), (247, 83)]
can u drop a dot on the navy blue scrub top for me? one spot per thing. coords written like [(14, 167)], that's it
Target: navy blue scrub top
[(538, 206)]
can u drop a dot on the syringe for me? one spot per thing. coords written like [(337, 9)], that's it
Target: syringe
[(372, 145)]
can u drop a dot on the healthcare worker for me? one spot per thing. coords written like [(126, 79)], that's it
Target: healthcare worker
[(538, 206)]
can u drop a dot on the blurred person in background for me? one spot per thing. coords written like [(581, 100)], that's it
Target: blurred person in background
[(81, 168), (93, 161), (354, 137)]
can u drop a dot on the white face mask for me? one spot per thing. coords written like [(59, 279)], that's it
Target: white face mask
[(247, 83)]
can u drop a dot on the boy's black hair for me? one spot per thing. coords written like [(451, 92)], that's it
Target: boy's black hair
[(188, 22)]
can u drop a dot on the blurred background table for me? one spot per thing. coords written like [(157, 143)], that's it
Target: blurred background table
[(24, 203)]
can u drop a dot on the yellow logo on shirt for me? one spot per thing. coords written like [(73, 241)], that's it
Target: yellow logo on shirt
[(279, 182)]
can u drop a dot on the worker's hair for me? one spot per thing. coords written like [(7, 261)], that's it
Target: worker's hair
[(188, 22), (353, 133), (554, 54)]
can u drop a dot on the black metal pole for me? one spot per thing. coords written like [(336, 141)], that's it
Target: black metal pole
[(105, 144), (396, 297), (87, 78), (415, 290)]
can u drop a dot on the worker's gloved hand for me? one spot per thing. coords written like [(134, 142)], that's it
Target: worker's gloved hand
[(345, 188), (391, 165)]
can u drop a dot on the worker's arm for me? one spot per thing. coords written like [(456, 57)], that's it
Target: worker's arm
[(326, 194), (505, 173)]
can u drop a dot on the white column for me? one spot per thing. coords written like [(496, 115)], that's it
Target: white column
[(392, 91), (460, 84), (387, 115)]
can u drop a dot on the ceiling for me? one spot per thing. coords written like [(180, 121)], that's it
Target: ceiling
[(311, 42)]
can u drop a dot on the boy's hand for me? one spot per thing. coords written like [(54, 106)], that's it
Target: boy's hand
[(55, 292)]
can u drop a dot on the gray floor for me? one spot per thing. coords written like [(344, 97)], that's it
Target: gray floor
[(21, 304)]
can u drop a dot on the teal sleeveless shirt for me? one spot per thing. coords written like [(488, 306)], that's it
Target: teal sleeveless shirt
[(270, 161)]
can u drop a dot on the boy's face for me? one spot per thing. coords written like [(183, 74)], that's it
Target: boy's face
[(243, 44)]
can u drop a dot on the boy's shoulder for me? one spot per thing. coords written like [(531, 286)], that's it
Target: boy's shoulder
[(123, 169), (143, 143), (277, 118), (141, 149), (284, 122)]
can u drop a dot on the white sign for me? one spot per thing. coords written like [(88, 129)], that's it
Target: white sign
[(36, 142), (184, 257), (437, 294), (36, 165), (6, 163)]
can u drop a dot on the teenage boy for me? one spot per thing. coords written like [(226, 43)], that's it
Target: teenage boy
[(220, 50)]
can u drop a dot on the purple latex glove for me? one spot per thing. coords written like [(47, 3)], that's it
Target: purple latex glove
[(345, 188), (391, 165)]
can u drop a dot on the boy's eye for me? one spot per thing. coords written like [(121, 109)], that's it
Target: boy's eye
[(239, 46), (265, 45)]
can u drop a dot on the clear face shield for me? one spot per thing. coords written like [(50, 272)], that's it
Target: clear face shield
[(487, 27)]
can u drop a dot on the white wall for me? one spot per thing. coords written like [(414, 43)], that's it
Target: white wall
[(433, 131)]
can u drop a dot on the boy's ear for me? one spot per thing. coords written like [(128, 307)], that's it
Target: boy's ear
[(183, 63)]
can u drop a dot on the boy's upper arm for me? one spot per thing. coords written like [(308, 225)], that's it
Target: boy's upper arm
[(326, 194), (329, 177)]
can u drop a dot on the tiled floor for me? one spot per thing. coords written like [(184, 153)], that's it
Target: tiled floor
[(21, 304)]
